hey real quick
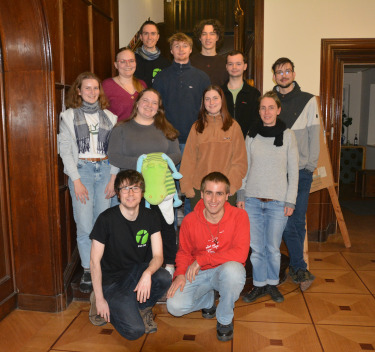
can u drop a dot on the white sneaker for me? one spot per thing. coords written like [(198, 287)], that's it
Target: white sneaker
[(170, 268)]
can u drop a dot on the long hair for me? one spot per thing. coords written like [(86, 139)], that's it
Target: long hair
[(225, 115), (136, 82), (74, 100), (160, 121)]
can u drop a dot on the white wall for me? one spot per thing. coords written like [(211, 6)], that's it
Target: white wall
[(294, 28), (132, 13)]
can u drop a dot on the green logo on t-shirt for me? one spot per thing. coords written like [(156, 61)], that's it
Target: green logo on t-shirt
[(142, 237), (155, 72)]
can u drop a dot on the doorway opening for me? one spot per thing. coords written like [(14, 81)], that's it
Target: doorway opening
[(357, 156)]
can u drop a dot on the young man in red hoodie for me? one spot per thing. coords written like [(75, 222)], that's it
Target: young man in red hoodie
[(214, 245)]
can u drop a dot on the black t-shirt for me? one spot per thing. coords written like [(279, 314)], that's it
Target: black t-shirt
[(126, 242)]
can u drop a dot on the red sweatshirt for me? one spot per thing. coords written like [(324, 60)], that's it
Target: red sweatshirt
[(213, 244)]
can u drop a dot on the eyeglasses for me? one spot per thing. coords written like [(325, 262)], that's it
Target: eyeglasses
[(131, 61), (284, 73), (127, 189)]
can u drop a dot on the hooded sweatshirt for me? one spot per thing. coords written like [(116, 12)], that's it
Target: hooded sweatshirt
[(213, 244)]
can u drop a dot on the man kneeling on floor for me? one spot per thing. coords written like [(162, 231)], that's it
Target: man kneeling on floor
[(214, 245), (126, 259)]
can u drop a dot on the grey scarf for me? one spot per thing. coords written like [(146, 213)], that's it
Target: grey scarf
[(82, 130), (147, 55)]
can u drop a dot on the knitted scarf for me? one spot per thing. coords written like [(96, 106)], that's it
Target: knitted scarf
[(147, 55), (82, 130), (276, 131)]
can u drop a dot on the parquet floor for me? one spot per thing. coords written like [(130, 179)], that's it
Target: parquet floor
[(337, 313)]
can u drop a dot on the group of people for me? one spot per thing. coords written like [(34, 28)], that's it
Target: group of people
[(247, 162)]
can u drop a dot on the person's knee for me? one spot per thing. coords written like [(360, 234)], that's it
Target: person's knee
[(133, 333), (233, 273), (162, 278), (175, 307)]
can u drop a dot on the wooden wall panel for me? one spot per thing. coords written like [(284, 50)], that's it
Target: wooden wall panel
[(76, 38), (7, 285), (28, 188), (101, 44), (104, 6), (45, 45), (53, 12)]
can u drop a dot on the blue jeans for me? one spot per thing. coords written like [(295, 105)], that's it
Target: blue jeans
[(122, 300), (267, 223), (294, 233), (95, 177), (228, 279)]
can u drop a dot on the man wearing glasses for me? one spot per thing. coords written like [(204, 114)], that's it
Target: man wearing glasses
[(126, 259), (299, 111)]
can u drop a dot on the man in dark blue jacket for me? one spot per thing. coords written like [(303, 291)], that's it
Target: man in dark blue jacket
[(181, 87)]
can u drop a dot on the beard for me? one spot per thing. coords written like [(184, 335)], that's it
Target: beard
[(286, 85)]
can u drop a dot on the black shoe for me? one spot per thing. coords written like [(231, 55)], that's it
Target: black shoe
[(254, 294), (85, 284), (224, 332), (209, 313), (275, 294)]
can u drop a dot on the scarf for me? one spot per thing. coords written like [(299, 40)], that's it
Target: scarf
[(82, 130), (148, 55), (276, 131)]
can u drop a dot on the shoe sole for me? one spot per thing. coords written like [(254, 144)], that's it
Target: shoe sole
[(253, 300), (85, 288), (304, 285), (208, 316), (224, 338), (94, 318), (152, 331), (278, 300)]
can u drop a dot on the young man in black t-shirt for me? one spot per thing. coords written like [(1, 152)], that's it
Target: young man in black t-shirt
[(126, 259)]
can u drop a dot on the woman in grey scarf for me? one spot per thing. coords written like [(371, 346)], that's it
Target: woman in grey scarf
[(83, 142)]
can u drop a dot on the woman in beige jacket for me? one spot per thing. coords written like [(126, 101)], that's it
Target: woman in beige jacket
[(215, 143)]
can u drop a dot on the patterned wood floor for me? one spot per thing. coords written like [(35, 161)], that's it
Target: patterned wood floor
[(336, 314)]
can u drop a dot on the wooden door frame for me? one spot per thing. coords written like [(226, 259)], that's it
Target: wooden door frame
[(258, 43), (335, 53)]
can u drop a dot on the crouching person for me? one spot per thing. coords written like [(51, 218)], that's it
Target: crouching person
[(126, 259), (213, 248)]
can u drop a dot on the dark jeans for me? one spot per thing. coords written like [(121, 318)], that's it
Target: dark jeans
[(294, 233), (168, 235), (123, 304)]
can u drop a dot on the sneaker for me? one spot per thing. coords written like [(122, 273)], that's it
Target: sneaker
[(85, 285), (254, 294), (275, 294), (93, 314), (209, 313), (224, 332), (148, 320), (170, 268), (293, 275), (306, 279)]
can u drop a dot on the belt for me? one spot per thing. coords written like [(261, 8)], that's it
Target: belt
[(94, 160), (265, 200)]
